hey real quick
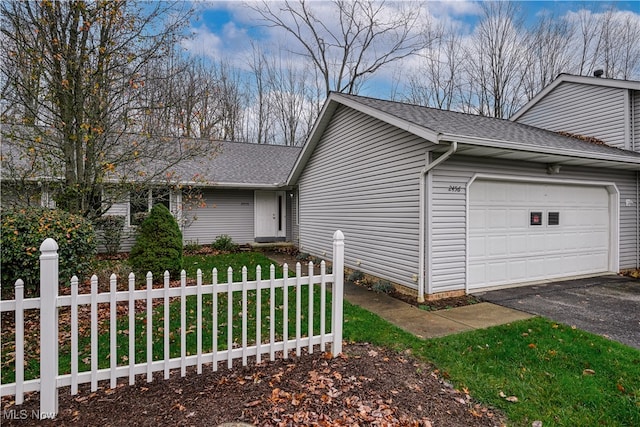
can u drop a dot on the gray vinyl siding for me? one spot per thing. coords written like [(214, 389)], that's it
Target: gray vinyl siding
[(586, 110), (226, 212), (289, 216), (448, 218), (294, 219), (635, 120), (363, 178)]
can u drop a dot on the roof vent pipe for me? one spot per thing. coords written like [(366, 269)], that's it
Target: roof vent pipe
[(598, 73)]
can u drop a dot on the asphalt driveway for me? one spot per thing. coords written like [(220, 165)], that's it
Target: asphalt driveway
[(605, 305)]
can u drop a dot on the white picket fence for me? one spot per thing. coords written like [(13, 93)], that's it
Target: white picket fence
[(49, 303)]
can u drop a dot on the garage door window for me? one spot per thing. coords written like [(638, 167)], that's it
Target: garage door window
[(535, 218), (553, 218)]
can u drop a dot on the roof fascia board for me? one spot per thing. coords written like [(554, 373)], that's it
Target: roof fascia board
[(515, 146), (570, 78), (237, 185), (233, 185), (421, 131)]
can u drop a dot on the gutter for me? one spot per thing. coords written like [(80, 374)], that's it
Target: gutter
[(580, 154), (453, 147)]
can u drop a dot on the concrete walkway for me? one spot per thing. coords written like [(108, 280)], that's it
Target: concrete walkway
[(431, 324), (423, 324)]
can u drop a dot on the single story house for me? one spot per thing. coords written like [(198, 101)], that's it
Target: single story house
[(445, 203), (241, 192)]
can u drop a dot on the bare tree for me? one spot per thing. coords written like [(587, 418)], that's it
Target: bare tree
[(620, 47), (354, 41), (288, 99), (436, 81), (548, 53), (497, 62), (262, 117), (75, 73), (587, 42)]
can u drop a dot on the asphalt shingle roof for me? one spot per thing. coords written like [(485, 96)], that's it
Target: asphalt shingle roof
[(474, 126), (244, 163), (229, 163)]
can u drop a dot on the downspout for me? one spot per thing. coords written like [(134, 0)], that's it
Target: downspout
[(453, 147)]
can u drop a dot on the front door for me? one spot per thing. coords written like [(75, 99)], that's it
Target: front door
[(270, 216)]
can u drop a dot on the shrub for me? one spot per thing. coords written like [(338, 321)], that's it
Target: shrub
[(24, 230), (355, 276), (110, 228), (303, 256), (382, 287), (224, 243), (192, 246), (158, 246)]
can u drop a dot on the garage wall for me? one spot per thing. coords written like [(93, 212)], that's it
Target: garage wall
[(587, 110), (363, 178), (447, 230)]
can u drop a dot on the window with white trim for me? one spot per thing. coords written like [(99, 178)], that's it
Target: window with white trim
[(141, 202)]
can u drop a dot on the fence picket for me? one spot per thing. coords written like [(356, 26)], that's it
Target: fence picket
[(113, 336), (132, 329), (183, 323), (258, 313), (48, 303), (310, 314), (323, 306), (229, 317), (165, 330), (199, 319), (19, 358), (214, 310), (74, 335), (272, 312), (285, 310), (244, 316), (149, 328), (94, 333), (298, 306)]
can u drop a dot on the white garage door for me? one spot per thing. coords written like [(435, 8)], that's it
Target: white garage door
[(521, 232)]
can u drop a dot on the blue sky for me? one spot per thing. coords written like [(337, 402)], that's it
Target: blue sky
[(228, 30)]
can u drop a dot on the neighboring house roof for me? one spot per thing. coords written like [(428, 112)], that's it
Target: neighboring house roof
[(570, 78), (477, 135), (241, 164)]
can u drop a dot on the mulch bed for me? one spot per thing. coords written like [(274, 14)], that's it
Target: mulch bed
[(366, 385)]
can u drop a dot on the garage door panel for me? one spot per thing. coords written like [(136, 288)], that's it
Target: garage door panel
[(517, 244), (505, 248)]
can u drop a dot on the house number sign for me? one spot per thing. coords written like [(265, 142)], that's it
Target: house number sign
[(455, 188)]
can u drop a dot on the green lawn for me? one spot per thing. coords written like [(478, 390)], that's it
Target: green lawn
[(559, 375)]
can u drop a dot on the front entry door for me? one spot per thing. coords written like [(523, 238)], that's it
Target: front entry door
[(270, 216)]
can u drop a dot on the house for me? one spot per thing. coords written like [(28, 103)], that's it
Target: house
[(606, 109), (241, 191), (445, 203)]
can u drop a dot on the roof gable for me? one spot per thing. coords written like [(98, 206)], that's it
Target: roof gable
[(570, 78)]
